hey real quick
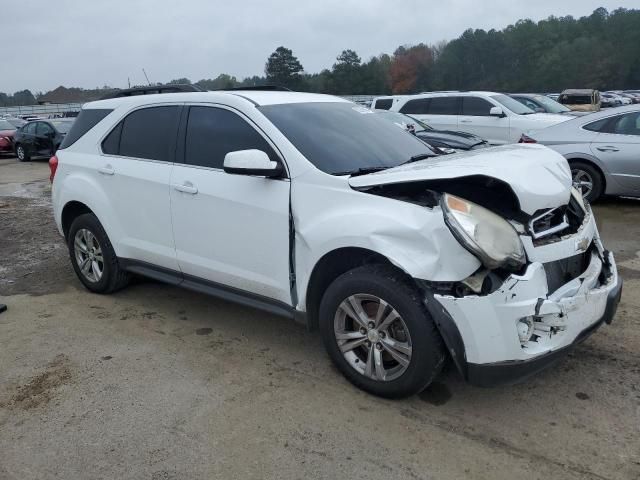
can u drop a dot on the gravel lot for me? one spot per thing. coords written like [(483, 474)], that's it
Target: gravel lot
[(155, 382)]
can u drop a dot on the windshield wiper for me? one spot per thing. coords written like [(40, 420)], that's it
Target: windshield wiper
[(361, 171), (417, 158)]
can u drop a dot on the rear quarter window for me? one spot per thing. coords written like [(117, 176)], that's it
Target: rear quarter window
[(86, 120), (384, 104), (601, 126)]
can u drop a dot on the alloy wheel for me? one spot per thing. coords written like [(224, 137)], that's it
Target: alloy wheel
[(372, 337), (582, 181), (20, 152), (88, 255)]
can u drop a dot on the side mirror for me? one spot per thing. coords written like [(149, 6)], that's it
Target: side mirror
[(496, 112), (539, 110), (251, 162)]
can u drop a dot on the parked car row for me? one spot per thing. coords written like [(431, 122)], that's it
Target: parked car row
[(602, 148)]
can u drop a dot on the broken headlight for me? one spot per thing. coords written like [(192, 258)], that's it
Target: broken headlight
[(488, 236)]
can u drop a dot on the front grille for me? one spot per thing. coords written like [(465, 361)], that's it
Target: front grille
[(563, 271), (547, 226)]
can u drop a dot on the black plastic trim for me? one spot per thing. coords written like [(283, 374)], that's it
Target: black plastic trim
[(208, 287), (448, 330)]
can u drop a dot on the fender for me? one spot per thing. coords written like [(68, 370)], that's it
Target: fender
[(413, 238), (80, 187)]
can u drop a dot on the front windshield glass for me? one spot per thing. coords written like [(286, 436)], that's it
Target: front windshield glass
[(551, 105), (340, 138), (512, 104), (4, 125)]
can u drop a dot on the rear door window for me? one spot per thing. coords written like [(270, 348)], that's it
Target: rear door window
[(87, 119), (213, 132), (148, 133), (443, 106), (476, 107), (418, 106)]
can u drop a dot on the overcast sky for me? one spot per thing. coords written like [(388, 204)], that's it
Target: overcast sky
[(90, 43)]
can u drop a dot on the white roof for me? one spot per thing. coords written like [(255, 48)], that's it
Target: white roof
[(259, 97)]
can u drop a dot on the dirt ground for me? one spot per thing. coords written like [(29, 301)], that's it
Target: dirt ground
[(156, 382)]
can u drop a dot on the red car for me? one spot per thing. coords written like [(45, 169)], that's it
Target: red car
[(7, 130)]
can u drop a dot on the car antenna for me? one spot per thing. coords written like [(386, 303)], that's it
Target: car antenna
[(145, 76)]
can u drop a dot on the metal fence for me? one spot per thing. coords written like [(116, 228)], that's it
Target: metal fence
[(364, 100), (40, 110), (52, 109)]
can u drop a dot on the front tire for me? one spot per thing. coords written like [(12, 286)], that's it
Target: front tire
[(379, 334), (22, 153), (92, 256), (588, 180)]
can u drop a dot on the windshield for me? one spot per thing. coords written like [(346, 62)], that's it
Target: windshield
[(551, 105), (4, 125), (512, 104), (340, 138), (62, 127), (575, 99), (403, 120)]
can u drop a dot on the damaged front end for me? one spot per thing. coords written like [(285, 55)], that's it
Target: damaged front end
[(518, 313), (513, 324)]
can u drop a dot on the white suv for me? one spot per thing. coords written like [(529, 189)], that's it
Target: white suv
[(495, 117), (299, 204)]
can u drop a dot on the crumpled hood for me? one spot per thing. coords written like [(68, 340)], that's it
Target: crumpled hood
[(538, 176)]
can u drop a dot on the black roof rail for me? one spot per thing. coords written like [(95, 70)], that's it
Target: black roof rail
[(153, 89), (268, 88)]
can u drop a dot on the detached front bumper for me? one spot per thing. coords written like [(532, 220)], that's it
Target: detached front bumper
[(481, 331)]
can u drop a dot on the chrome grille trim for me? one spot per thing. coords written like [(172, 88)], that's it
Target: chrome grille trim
[(551, 230)]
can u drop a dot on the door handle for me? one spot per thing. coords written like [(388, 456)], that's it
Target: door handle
[(106, 170), (465, 121), (607, 149), (186, 187)]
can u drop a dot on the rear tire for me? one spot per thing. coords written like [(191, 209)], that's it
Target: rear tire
[(588, 180), (92, 256), (404, 356), (22, 153)]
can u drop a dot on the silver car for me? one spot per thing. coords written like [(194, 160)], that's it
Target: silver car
[(603, 150)]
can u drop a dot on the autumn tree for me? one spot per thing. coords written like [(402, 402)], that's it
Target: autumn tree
[(411, 69)]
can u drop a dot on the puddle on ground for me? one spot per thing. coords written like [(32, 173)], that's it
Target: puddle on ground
[(33, 190)]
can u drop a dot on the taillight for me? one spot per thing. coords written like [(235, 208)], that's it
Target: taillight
[(53, 166), (527, 139)]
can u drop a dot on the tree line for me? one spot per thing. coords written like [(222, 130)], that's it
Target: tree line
[(599, 51)]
